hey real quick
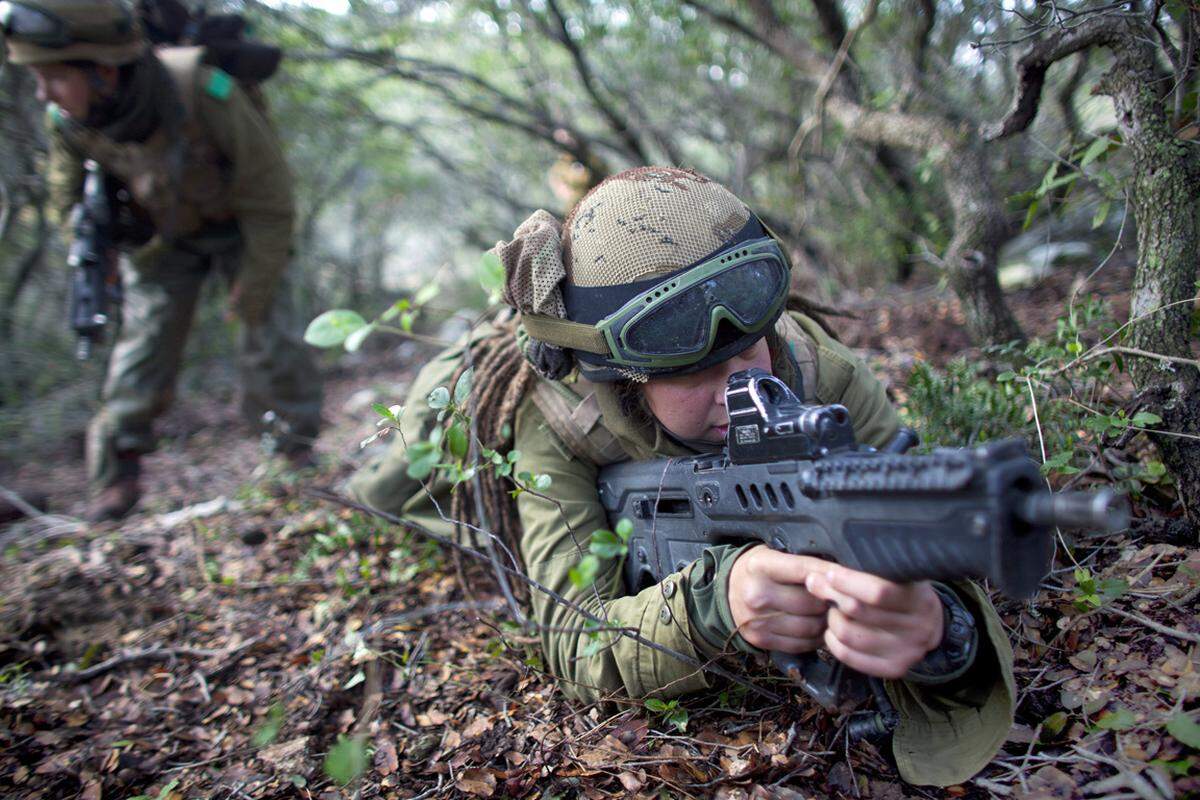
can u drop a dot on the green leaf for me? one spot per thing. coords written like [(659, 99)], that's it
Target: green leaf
[(426, 293), (656, 705), (1120, 719), (1144, 419), (624, 528), (606, 544), (393, 310), (406, 321), (462, 388), (456, 440), (356, 338), (513, 455), (1030, 215), (1053, 725), (331, 328), (1101, 213), (491, 273), (269, 730), (1184, 729), (1006, 377), (439, 397), (387, 413), (584, 574), (542, 482), (347, 760), (1096, 149)]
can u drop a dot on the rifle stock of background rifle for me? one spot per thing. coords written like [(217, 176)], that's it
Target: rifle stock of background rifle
[(95, 285), (792, 476)]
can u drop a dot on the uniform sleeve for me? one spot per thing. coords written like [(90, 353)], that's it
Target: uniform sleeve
[(843, 378), (554, 539), (949, 732), (260, 192), (64, 177)]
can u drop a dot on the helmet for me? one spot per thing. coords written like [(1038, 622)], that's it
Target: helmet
[(666, 272), (49, 31)]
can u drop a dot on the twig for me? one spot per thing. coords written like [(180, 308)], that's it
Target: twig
[(1149, 623), (149, 654)]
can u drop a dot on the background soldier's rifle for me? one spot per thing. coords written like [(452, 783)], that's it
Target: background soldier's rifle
[(96, 285), (792, 476)]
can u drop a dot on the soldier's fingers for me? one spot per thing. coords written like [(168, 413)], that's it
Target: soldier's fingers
[(766, 640), (865, 589), (786, 567), (879, 666), (900, 640), (789, 625)]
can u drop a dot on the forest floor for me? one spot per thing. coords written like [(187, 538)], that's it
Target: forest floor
[(240, 638)]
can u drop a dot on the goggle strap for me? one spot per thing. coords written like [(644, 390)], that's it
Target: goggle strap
[(565, 333)]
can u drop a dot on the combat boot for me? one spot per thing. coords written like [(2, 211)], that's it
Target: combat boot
[(118, 498)]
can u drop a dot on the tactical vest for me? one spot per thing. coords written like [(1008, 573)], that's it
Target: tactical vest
[(180, 182), (573, 411)]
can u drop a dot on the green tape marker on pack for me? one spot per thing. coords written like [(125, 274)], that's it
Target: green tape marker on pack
[(219, 85)]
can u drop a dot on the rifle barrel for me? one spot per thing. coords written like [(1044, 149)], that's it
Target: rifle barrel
[(1102, 510)]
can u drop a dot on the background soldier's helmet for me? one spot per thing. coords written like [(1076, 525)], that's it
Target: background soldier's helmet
[(49, 31)]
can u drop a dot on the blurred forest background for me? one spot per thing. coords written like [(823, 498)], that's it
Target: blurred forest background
[(422, 132), (1001, 196)]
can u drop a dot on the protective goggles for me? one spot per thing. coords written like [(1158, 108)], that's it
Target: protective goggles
[(673, 323), (33, 26)]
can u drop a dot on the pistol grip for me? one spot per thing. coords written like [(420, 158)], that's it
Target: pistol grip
[(826, 682)]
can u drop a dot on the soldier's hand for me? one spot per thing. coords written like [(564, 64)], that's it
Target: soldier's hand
[(875, 626), (769, 603)]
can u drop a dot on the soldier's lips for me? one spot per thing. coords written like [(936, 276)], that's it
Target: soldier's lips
[(721, 430)]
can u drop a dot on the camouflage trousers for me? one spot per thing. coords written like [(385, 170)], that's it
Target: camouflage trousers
[(276, 368)]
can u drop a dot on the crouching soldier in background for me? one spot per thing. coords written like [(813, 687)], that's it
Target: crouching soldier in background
[(201, 186)]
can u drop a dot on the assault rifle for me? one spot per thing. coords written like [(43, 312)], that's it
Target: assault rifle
[(95, 286), (791, 475)]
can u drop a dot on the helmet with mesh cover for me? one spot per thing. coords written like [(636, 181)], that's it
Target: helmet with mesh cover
[(666, 272), (52, 31)]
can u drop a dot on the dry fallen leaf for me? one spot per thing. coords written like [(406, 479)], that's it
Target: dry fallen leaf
[(386, 760), (479, 782)]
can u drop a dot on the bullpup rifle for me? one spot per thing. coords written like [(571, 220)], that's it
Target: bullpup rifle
[(792, 476)]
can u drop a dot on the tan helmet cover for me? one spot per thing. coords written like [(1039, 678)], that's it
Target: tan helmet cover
[(102, 31), (645, 222)]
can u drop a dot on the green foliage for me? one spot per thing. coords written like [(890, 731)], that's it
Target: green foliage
[(1090, 593), (670, 712), (269, 730), (1058, 395), (347, 759), (1185, 729), (1119, 719), (584, 573)]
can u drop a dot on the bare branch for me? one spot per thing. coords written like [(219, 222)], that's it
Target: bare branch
[(1032, 67)]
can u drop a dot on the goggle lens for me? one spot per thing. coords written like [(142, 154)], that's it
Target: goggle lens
[(749, 292)]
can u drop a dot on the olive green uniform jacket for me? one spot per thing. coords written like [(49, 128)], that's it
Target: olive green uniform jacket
[(947, 732), (218, 199)]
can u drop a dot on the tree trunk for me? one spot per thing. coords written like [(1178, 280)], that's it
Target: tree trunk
[(1166, 205)]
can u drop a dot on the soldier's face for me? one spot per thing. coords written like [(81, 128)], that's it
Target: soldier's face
[(68, 87), (693, 406)]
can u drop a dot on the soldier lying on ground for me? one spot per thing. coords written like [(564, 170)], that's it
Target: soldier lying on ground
[(577, 400), (205, 188)]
